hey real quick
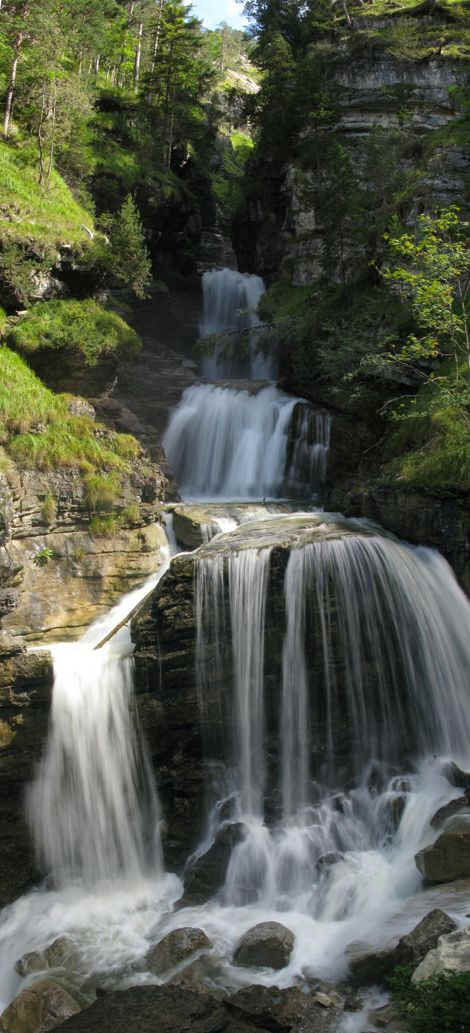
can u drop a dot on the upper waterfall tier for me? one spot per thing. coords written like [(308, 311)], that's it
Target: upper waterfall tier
[(241, 444), (230, 308)]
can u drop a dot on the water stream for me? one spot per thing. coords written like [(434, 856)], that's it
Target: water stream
[(328, 728)]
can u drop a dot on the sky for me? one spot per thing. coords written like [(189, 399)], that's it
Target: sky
[(212, 12)]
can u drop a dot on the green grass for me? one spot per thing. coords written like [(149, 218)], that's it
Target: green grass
[(79, 327), (37, 429), (28, 213)]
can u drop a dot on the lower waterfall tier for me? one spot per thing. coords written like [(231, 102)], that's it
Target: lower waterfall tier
[(297, 655)]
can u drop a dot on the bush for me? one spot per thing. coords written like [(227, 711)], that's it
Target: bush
[(440, 1003), (79, 327)]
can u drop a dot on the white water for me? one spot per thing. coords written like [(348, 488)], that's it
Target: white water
[(386, 629), (232, 444), (230, 304)]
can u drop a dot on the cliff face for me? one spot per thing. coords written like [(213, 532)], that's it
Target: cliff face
[(282, 231)]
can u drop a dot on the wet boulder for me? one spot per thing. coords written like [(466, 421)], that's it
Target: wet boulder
[(175, 948), (40, 1007), (456, 776), (449, 857), (62, 953), (452, 954), (266, 945), (449, 810), (369, 967)]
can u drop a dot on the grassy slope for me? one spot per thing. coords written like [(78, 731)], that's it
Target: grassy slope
[(37, 428), (27, 213)]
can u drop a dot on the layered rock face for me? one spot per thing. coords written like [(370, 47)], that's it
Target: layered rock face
[(282, 233)]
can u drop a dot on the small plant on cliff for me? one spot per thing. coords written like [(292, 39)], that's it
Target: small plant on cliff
[(49, 509), (44, 556)]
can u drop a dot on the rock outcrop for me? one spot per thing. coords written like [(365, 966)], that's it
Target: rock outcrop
[(372, 966), (452, 954), (449, 857), (172, 1008)]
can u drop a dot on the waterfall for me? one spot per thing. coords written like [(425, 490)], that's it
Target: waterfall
[(232, 444), (374, 669), (93, 807), (230, 305), (248, 581)]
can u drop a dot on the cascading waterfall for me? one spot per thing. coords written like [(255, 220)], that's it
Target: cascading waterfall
[(229, 444), (93, 806), (384, 628), (230, 305)]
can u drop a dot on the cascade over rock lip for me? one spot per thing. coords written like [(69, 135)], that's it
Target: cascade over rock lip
[(291, 530)]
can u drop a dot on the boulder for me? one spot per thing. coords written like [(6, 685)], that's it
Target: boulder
[(266, 945), (176, 947), (173, 1008), (450, 809), (40, 1007), (291, 1009), (449, 857), (452, 954), (368, 967), (62, 953), (456, 776)]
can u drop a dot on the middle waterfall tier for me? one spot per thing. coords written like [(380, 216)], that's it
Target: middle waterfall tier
[(251, 443)]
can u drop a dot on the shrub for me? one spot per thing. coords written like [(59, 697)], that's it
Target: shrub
[(439, 1003), (44, 556)]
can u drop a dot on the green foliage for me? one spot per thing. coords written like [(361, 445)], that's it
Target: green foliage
[(30, 215), (432, 271), (49, 509), (44, 556), (227, 182), (102, 490), (129, 258), (82, 328), (104, 526), (131, 513), (439, 1003), (37, 429)]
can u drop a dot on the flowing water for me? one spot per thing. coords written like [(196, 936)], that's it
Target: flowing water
[(230, 308), (332, 668), (231, 444)]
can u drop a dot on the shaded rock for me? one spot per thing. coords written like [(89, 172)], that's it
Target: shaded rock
[(174, 1008), (326, 861), (277, 1010), (451, 808), (193, 526), (415, 945), (266, 945), (40, 1007), (175, 948), (207, 875), (369, 967), (449, 857), (452, 954), (386, 1017), (456, 776), (62, 953)]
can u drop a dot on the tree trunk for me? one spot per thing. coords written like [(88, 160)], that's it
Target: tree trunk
[(138, 57), (12, 83)]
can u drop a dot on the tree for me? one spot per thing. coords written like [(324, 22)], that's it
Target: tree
[(431, 269), (130, 259)]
